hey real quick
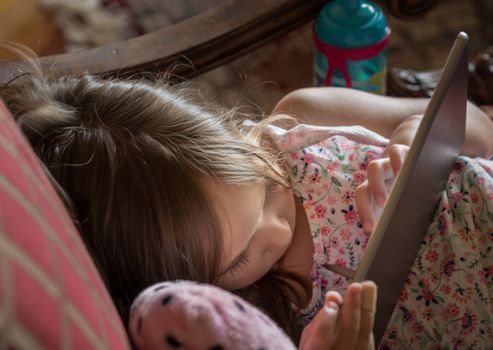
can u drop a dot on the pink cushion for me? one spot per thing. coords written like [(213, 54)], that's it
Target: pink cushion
[(51, 295)]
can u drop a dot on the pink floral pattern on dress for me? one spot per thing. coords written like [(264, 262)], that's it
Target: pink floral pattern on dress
[(325, 176), (446, 302)]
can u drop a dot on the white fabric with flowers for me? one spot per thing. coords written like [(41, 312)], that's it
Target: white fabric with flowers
[(446, 302)]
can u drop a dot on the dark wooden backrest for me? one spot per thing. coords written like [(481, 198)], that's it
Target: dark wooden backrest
[(202, 42)]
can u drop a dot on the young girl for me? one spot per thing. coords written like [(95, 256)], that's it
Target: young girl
[(165, 185), (442, 298)]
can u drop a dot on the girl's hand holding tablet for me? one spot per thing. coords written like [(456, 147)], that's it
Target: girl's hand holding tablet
[(343, 324), (372, 193)]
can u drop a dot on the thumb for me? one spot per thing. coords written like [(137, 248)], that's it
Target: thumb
[(322, 332)]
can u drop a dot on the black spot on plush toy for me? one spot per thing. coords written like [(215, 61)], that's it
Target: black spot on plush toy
[(187, 315)]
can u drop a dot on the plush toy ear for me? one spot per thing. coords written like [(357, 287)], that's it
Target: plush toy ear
[(187, 315)]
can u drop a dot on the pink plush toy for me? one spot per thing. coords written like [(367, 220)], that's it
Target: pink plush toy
[(187, 315)]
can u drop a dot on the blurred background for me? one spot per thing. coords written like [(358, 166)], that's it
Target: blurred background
[(258, 79)]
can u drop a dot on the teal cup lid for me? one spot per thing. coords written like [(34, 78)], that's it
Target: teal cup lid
[(351, 23)]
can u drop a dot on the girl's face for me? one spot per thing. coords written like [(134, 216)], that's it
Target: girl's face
[(257, 223)]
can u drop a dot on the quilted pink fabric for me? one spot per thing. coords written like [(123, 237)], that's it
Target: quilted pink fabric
[(51, 295)]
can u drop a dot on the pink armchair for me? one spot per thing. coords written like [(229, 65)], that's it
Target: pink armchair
[(51, 295)]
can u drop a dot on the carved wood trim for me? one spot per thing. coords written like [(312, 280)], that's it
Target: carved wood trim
[(206, 41)]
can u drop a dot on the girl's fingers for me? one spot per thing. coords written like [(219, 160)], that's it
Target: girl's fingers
[(325, 334), (348, 328), (368, 211), (350, 320), (372, 194), (334, 297), (305, 336), (397, 154), (381, 171), (378, 172), (368, 309), (364, 205), (321, 334)]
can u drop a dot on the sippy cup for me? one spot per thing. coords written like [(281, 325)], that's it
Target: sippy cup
[(350, 38)]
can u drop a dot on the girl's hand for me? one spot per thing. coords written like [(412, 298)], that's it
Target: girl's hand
[(372, 194), (343, 324)]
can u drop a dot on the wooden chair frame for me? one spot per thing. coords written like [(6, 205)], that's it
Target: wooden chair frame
[(205, 41)]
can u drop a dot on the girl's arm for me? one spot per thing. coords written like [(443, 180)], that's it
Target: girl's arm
[(479, 132), (340, 106), (392, 117)]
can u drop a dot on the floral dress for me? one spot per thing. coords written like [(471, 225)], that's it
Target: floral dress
[(446, 302)]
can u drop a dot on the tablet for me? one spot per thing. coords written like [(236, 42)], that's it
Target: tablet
[(417, 188)]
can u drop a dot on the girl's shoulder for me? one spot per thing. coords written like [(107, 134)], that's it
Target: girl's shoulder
[(319, 159)]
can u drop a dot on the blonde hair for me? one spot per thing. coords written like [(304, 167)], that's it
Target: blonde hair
[(126, 156)]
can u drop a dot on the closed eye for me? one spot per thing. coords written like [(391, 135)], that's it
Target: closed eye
[(240, 261)]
